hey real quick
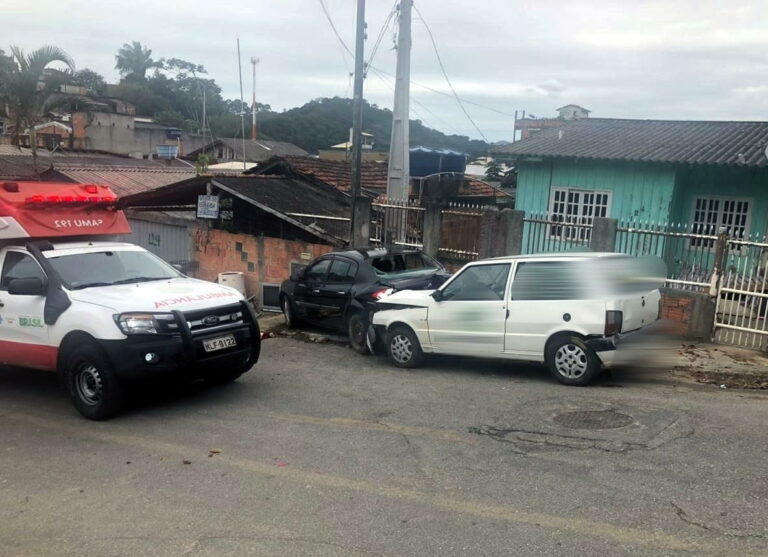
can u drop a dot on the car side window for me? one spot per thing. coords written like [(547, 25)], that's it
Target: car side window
[(547, 280), (19, 265), (479, 282), (342, 270), (318, 271)]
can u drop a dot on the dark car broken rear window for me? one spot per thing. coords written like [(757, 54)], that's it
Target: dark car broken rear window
[(403, 263)]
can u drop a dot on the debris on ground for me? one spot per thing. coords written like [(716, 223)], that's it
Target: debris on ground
[(728, 367)]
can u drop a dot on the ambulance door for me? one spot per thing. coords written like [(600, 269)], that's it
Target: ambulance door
[(23, 333)]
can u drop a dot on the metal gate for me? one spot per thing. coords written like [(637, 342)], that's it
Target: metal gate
[(741, 308), (170, 241)]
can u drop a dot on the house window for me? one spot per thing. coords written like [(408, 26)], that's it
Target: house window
[(579, 208), (710, 214)]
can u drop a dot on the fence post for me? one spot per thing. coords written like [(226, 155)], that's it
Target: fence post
[(721, 256), (603, 234), (361, 235), (511, 231), (433, 222), (488, 244)]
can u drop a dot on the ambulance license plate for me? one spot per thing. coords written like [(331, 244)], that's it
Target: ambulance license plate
[(219, 343)]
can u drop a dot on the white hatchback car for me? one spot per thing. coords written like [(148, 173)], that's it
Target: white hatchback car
[(568, 310)]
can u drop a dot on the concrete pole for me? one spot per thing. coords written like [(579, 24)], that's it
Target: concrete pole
[(254, 134), (399, 171), (357, 120)]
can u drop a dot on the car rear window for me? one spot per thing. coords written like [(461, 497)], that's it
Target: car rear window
[(548, 280), (400, 264)]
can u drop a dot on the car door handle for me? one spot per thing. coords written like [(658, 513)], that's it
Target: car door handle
[(315, 291), (342, 292)]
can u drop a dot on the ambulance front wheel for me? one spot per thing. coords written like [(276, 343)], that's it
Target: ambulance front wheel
[(93, 386)]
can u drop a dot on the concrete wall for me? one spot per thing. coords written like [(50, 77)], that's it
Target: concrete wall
[(121, 134)]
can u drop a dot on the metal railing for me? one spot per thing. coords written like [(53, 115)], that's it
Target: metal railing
[(688, 251), (460, 231), (398, 222), (544, 233), (741, 310)]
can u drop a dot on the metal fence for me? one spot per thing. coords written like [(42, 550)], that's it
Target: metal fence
[(688, 251), (460, 231), (402, 221), (544, 233), (741, 310)]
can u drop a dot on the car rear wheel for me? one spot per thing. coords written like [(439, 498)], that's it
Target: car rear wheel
[(403, 347), (572, 362), (93, 386), (356, 327)]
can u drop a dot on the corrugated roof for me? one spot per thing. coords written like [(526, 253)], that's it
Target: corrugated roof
[(667, 141), (255, 150), (128, 180)]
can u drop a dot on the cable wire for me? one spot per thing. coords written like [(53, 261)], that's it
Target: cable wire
[(445, 74)]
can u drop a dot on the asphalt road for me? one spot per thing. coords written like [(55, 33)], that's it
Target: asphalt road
[(320, 451)]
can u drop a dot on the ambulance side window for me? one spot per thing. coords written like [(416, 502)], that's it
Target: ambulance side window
[(19, 265)]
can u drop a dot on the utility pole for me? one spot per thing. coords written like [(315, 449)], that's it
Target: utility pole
[(398, 180), (357, 120), (254, 61), (242, 101)]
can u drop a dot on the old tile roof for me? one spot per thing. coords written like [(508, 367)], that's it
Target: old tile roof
[(667, 141), (255, 150), (335, 173), (472, 187)]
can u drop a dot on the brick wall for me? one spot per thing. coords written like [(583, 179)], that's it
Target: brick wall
[(677, 310), (260, 259)]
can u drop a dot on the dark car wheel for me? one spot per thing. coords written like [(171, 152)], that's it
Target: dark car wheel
[(290, 316), (93, 386), (356, 328), (403, 348), (572, 362)]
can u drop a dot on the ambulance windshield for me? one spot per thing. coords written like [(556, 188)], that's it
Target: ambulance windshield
[(107, 268)]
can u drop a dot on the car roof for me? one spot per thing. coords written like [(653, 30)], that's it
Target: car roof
[(359, 254), (561, 255)]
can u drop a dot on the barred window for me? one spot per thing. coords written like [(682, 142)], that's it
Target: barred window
[(710, 214), (577, 208)]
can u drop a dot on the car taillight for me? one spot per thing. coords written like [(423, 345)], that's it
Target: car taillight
[(613, 322), (379, 294)]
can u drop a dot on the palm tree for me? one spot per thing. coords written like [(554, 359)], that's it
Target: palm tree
[(30, 94), (133, 60)]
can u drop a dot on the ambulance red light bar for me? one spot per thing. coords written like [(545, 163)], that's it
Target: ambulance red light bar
[(48, 210), (47, 200)]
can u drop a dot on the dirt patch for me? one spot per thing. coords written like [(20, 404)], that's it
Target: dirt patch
[(758, 381)]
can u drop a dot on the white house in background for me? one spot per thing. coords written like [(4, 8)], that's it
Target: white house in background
[(572, 112), (478, 166)]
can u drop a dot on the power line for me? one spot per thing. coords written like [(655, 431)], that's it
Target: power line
[(445, 74), (335, 31), (419, 116), (381, 33)]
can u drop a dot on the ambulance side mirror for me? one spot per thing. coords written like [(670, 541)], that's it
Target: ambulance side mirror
[(26, 287)]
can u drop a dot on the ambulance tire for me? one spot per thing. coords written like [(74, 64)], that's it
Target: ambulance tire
[(93, 386)]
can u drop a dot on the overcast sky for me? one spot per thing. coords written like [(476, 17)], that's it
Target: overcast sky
[(678, 59)]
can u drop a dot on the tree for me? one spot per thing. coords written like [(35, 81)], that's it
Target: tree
[(494, 172), (30, 93), (92, 81), (134, 60)]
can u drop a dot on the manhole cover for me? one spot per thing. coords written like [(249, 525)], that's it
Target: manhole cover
[(593, 419)]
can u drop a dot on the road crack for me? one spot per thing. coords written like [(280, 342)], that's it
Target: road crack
[(682, 515)]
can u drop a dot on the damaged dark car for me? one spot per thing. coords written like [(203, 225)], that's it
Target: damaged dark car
[(338, 290)]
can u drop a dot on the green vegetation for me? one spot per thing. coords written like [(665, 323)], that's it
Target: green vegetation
[(172, 90)]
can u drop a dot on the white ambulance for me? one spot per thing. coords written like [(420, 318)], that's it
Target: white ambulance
[(105, 314)]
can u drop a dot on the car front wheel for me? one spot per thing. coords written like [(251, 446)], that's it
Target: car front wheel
[(356, 327), (290, 316), (403, 347), (93, 386), (572, 362)]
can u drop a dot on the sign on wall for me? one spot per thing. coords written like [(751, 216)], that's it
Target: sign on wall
[(207, 206)]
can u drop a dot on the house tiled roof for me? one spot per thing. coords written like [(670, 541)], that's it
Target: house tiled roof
[(472, 187), (335, 173), (665, 141)]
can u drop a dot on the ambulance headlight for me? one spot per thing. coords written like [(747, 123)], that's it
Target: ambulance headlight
[(142, 323)]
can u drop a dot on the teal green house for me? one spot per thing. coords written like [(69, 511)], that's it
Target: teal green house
[(699, 176)]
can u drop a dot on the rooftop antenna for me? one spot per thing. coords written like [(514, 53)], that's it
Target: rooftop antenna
[(242, 103), (254, 135)]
